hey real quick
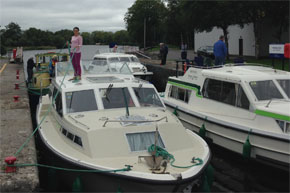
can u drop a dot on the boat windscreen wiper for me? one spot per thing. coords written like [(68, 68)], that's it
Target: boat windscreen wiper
[(138, 90), (108, 90)]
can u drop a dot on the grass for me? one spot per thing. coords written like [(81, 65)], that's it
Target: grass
[(157, 48)]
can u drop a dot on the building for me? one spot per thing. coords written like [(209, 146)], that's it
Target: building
[(267, 31)]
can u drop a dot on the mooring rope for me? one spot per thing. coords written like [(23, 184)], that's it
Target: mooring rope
[(166, 155), (128, 168), (48, 110)]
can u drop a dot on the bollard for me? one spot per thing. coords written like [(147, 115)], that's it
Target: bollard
[(17, 77), (10, 161), (16, 98), (16, 86), (77, 185), (17, 72)]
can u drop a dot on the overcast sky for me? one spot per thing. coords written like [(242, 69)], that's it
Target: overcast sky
[(53, 15)]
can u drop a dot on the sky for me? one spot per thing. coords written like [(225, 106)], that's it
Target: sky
[(54, 15)]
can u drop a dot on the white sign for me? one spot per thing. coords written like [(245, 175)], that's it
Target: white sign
[(276, 49)]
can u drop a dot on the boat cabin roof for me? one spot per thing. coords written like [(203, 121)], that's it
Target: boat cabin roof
[(240, 73)]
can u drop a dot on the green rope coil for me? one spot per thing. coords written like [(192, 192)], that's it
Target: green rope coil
[(162, 152)]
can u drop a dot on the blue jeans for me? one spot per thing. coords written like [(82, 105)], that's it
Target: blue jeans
[(219, 61)]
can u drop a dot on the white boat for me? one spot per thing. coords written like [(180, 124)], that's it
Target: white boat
[(234, 102), (138, 69), (105, 123)]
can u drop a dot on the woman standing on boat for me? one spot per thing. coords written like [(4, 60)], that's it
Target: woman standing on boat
[(76, 43)]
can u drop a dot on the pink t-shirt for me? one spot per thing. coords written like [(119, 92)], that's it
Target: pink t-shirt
[(76, 41)]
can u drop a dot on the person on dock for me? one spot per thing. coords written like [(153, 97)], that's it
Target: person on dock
[(76, 44), (30, 66), (183, 48), (163, 53), (220, 51)]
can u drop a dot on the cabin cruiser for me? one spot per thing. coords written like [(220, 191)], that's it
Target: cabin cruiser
[(118, 128), (235, 102), (135, 66)]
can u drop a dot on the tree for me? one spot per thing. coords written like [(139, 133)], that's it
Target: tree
[(87, 40), (277, 12), (11, 35), (61, 37), (149, 13), (121, 37)]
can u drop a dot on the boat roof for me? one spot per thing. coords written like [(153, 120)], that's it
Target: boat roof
[(242, 72), (89, 81)]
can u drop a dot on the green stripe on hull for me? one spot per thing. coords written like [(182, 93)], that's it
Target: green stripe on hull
[(273, 115), (189, 86)]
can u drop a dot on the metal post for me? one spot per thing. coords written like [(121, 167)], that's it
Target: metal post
[(144, 33), (176, 69)]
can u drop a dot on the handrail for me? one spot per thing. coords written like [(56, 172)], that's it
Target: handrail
[(79, 122), (133, 121)]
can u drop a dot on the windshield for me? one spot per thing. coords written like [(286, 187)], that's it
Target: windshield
[(102, 67), (63, 67), (135, 59), (265, 90), (285, 84), (114, 59), (80, 101), (148, 97), (124, 59), (115, 98), (99, 61)]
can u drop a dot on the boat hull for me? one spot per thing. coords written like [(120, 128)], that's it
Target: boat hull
[(106, 181), (233, 139)]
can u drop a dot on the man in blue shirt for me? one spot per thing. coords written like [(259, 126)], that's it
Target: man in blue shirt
[(220, 51)]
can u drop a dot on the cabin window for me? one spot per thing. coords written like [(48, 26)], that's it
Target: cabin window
[(115, 98), (147, 97), (124, 59), (141, 141), (70, 136), (180, 93), (64, 131), (265, 90), (242, 99), (225, 92), (285, 84), (76, 139), (58, 101), (80, 101)]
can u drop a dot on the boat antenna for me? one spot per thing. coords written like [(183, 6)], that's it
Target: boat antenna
[(155, 146), (126, 103), (138, 90), (269, 102)]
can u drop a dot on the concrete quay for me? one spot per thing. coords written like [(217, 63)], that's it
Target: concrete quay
[(15, 127)]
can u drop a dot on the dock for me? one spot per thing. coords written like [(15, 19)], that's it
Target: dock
[(16, 127)]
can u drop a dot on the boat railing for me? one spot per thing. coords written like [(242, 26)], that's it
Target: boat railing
[(185, 64), (135, 121), (76, 121)]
